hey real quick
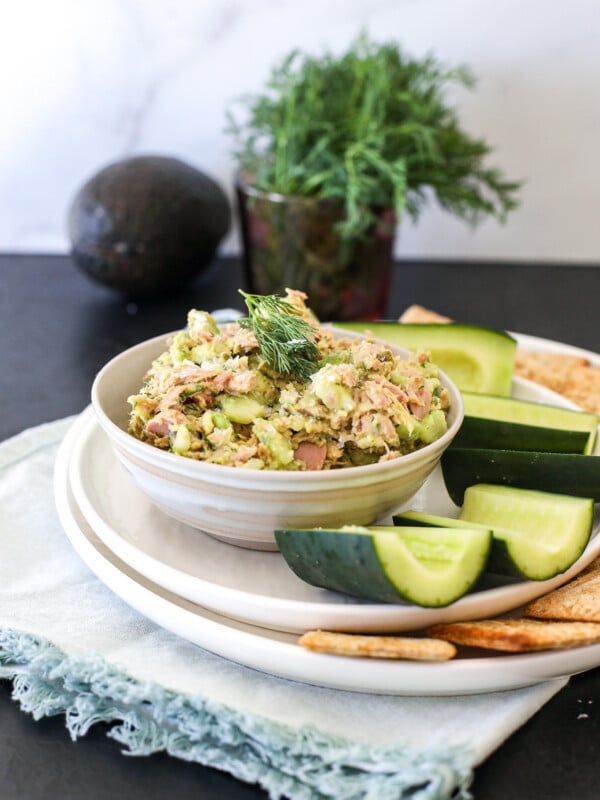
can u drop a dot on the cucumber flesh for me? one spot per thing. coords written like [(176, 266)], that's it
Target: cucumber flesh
[(536, 534), (560, 473), (492, 408), (429, 567), (476, 358), (433, 567), (523, 545)]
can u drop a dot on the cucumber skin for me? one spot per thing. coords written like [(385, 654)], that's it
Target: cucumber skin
[(425, 520), (481, 433), (364, 578), (560, 473)]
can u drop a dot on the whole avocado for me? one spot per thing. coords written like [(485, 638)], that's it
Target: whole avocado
[(147, 225)]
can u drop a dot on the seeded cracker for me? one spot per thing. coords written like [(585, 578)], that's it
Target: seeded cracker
[(400, 647), (553, 370), (583, 387), (577, 600), (518, 635)]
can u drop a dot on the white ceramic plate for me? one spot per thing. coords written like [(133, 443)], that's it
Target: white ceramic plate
[(278, 653), (256, 586)]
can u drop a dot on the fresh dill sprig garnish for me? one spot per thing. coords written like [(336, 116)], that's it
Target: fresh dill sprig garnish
[(286, 339)]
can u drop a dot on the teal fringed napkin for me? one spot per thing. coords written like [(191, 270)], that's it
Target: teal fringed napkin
[(72, 647)]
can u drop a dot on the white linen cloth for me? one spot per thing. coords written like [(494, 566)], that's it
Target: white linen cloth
[(72, 647)]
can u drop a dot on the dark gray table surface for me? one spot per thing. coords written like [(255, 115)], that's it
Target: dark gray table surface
[(57, 329)]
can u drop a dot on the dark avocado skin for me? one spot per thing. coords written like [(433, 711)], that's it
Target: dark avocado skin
[(147, 225)]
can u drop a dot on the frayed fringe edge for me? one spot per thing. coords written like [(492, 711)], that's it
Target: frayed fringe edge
[(145, 718)]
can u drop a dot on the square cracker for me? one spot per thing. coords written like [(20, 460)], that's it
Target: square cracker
[(583, 387), (552, 370), (577, 600), (352, 644), (518, 635), (417, 313)]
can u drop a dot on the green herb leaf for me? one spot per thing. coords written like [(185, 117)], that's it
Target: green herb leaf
[(286, 339)]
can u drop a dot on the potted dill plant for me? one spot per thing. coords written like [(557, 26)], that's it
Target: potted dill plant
[(333, 152)]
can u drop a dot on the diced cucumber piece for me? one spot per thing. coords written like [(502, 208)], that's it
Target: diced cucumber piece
[(242, 408), (182, 440), (561, 473), (510, 424), (476, 358), (278, 445), (536, 534), (431, 427), (431, 568)]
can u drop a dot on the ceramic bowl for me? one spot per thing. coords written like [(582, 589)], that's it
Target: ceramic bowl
[(244, 507)]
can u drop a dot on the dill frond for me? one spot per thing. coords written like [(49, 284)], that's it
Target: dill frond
[(286, 340)]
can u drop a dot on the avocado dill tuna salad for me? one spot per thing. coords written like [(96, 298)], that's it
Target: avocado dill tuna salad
[(277, 391)]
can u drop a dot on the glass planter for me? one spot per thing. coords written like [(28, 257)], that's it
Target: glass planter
[(291, 242)]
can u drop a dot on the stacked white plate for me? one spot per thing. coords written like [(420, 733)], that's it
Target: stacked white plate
[(248, 606)]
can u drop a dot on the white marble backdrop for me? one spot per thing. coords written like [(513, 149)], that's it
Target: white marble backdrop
[(87, 82)]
